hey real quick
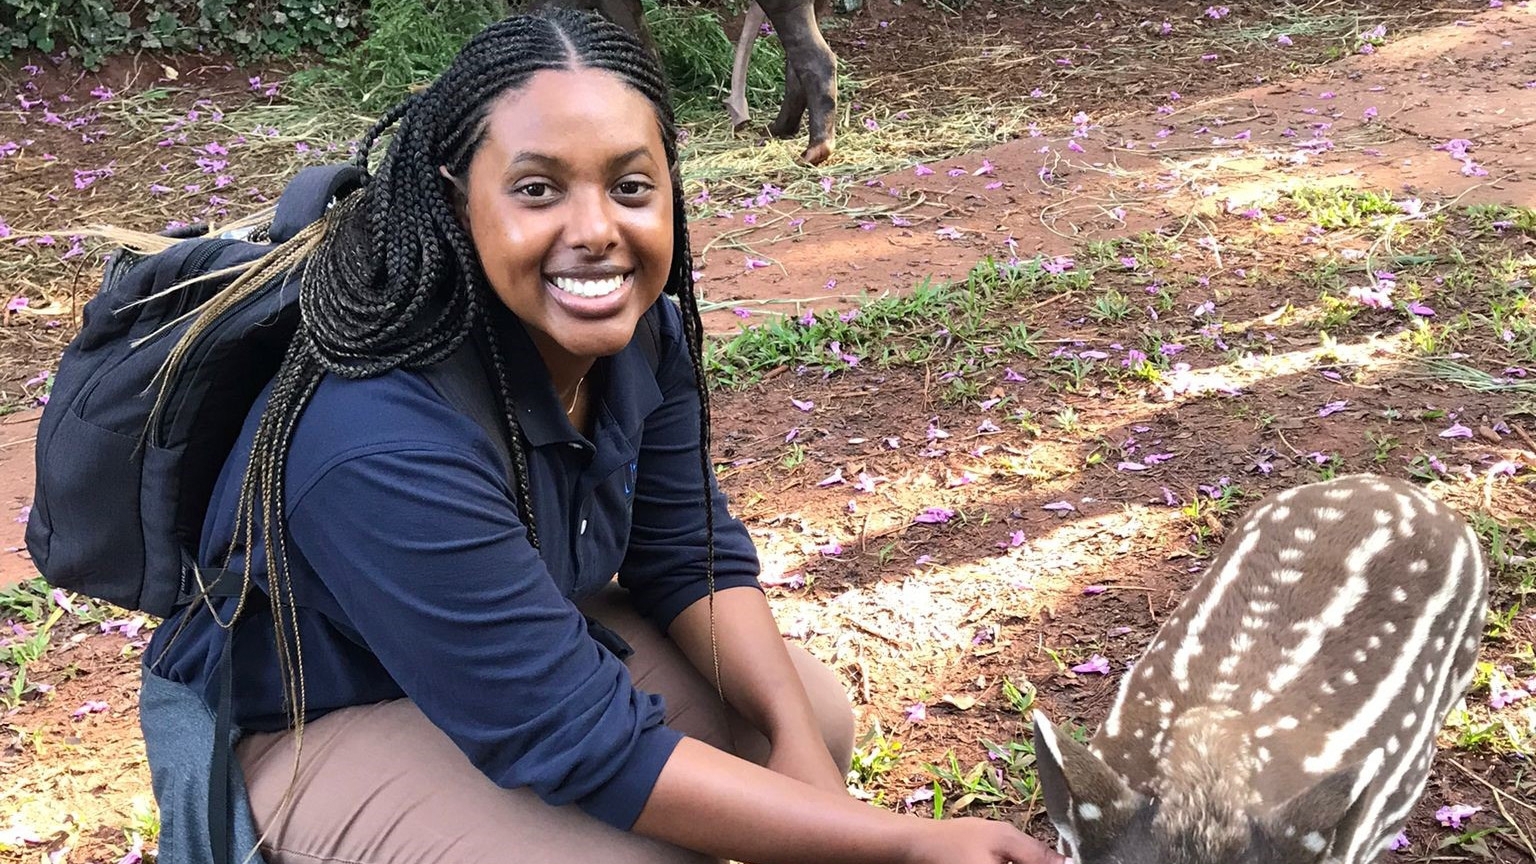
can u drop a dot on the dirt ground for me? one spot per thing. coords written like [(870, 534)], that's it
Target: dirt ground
[(1082, 489)]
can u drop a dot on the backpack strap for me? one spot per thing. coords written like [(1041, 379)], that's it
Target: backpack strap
[(309, 194)]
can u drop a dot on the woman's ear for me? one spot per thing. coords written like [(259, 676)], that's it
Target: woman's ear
[(459, 195)]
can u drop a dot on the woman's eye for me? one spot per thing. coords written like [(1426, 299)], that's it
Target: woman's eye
[(533, 190), (633, 187)]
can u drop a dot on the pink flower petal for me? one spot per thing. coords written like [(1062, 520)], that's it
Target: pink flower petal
[(1097, 665)]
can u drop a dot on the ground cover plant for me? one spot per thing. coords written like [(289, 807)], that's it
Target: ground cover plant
[(1084, 283)]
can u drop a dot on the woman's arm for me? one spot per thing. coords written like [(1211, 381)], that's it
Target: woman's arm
[(714, 803), (759, 680)]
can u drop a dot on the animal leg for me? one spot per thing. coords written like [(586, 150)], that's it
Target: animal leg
[(736, 103), (811, 76)]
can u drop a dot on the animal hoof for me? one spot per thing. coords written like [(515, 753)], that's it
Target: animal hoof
[(817, 153), (738, 114)]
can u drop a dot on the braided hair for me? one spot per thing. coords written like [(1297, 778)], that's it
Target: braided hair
[(393, 281)]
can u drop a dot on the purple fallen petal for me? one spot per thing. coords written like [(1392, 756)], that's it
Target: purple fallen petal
[(1096, 665), (934, 515), (833, 479)]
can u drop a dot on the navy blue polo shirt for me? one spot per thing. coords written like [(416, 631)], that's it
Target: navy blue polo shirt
[(416, 577)]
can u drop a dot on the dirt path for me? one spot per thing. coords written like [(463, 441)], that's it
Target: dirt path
[(1371, 121)]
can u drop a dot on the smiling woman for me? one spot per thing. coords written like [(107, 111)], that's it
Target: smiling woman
[(532, 632)]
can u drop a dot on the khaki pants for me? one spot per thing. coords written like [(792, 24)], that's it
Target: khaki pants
[(379, 784)]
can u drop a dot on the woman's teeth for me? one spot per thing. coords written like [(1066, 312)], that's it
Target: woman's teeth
[(589, 287)]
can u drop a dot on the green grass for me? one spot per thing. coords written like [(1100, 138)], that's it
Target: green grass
[(30, 604), (697, 54), (1344, 208), (963, 324), (399, 53), (874, 757)]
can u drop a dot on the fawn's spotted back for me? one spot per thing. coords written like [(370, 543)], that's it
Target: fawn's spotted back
[(1286, 712)]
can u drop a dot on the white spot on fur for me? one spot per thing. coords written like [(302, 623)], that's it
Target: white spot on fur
[(1360, 656), (1314, 842), (1259, 699), (1287, 575), (1388, 685), (1305, 534), (1299, 657), (1349, 677), (1419, 566), (1212, 601), (1089, 812), (1373, 643), (1263, 732), (1382, 517), (1339, 493), (1328, 514), (1410, 719), (1289, 555), (1388, 627), (1280, 514), (1399, 595), (1361, 555), (1286, 722), (1393, 745), (1326, 688)]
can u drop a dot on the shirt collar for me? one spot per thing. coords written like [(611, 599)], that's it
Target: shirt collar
[(621, 387)]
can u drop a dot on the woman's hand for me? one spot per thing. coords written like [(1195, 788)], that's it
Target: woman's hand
[(715, 803), (977, 841)]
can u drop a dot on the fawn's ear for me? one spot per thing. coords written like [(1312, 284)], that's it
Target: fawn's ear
[(1087, 801), (1320, 820)]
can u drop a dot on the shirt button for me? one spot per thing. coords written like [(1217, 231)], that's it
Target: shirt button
[(583, 528)]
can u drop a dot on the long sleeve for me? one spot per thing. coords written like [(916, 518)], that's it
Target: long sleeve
[(429, 563)]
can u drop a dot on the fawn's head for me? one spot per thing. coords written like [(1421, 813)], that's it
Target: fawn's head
[(1104, 821)]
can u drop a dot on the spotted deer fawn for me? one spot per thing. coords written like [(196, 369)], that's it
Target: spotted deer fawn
[(1286, 712)]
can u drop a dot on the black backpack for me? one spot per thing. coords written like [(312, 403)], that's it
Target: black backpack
[(117, 512)]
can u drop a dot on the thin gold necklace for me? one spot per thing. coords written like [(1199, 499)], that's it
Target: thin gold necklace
[(575, 396)]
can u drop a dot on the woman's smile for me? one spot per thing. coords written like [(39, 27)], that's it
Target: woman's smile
[(591, 296)]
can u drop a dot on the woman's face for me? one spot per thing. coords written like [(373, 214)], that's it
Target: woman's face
[(569, 204)]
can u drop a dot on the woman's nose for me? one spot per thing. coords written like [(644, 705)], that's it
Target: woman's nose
[(591, 225)]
